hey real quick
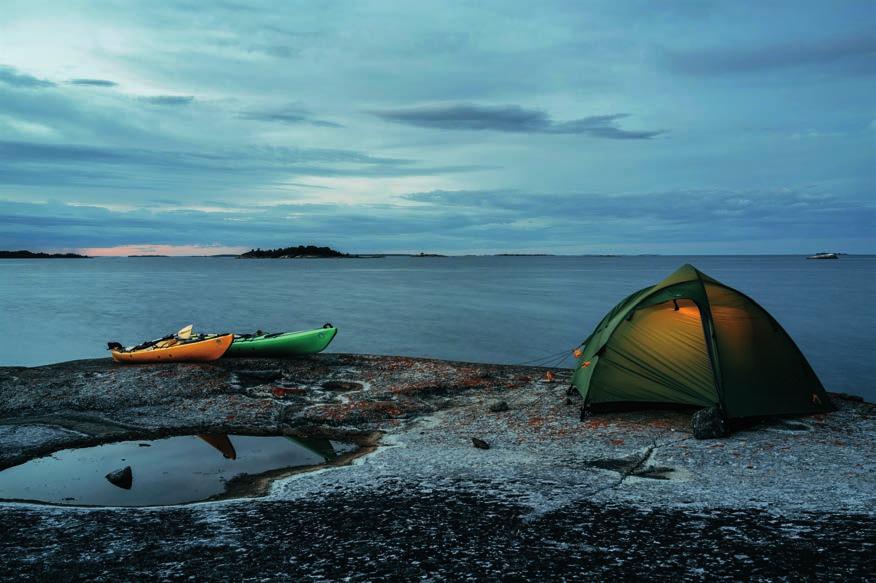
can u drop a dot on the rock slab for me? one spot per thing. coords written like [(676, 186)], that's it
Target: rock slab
[(620, 495)]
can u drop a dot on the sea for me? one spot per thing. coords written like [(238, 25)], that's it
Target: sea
[(530, 309)]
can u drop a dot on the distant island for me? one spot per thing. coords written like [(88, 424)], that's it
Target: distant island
[(22, 254), (428, 255), (299, 252), (147, 255)]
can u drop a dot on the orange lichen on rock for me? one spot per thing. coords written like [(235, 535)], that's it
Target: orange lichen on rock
[(596, 423), (472, 382), (281, 392)]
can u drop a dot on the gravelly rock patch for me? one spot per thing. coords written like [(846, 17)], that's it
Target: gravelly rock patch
[(392, 535)]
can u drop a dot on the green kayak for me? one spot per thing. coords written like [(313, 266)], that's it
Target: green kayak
[(282, 344)]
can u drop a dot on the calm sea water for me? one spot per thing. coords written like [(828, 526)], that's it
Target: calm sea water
[(484, 309)]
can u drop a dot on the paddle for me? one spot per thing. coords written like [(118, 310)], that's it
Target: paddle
[(185, 333)]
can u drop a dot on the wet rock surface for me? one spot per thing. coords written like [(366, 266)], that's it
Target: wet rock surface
[(615, 495)]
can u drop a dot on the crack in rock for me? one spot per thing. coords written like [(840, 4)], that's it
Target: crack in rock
[(632, 466)]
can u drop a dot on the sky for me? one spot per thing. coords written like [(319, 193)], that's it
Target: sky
[(686, 127)]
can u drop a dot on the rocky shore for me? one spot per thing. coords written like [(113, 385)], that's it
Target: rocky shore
[(617, 495)]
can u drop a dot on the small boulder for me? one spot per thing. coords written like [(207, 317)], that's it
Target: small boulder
[(480, 443), (498, 406), (123, 478), (708, 423)]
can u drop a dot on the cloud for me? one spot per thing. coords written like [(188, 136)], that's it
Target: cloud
[(137, 169), (855, 51), (460, 220), (169, 99), (93, 82), (11, 77), (289, 115), (280, 51), (602, 126), (678, 214), (510, 118), (353, 227), (38, 152), (218, 5)]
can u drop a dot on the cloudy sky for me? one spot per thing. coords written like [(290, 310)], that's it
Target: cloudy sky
[(458, 127)]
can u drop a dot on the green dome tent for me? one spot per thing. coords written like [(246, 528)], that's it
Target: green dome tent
[(692, 340)]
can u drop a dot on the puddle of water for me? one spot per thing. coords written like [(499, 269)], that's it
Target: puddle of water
[(174, 470)]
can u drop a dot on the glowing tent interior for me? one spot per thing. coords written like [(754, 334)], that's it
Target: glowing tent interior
[(692, 340)]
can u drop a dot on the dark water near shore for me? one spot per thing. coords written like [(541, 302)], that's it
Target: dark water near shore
[(488, 309), (173, 470)]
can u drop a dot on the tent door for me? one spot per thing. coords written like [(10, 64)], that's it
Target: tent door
[(659, 356)]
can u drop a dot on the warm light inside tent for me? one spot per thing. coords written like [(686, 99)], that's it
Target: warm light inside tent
[(661, 354)]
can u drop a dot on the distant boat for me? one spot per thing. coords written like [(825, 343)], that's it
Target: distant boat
[(824, 256)]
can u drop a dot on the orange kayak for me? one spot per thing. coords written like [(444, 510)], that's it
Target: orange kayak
[(191, 351)]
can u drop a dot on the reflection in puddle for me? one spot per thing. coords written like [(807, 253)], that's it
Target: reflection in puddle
[(164, 471), (221, 442)]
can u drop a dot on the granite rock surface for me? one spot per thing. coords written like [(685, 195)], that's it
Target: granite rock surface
[(628, 494)]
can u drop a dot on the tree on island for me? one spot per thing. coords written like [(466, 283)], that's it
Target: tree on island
[(22, 254), (289, 252)]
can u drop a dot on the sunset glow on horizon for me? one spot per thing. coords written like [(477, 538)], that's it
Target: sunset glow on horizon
[(171, 250)]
